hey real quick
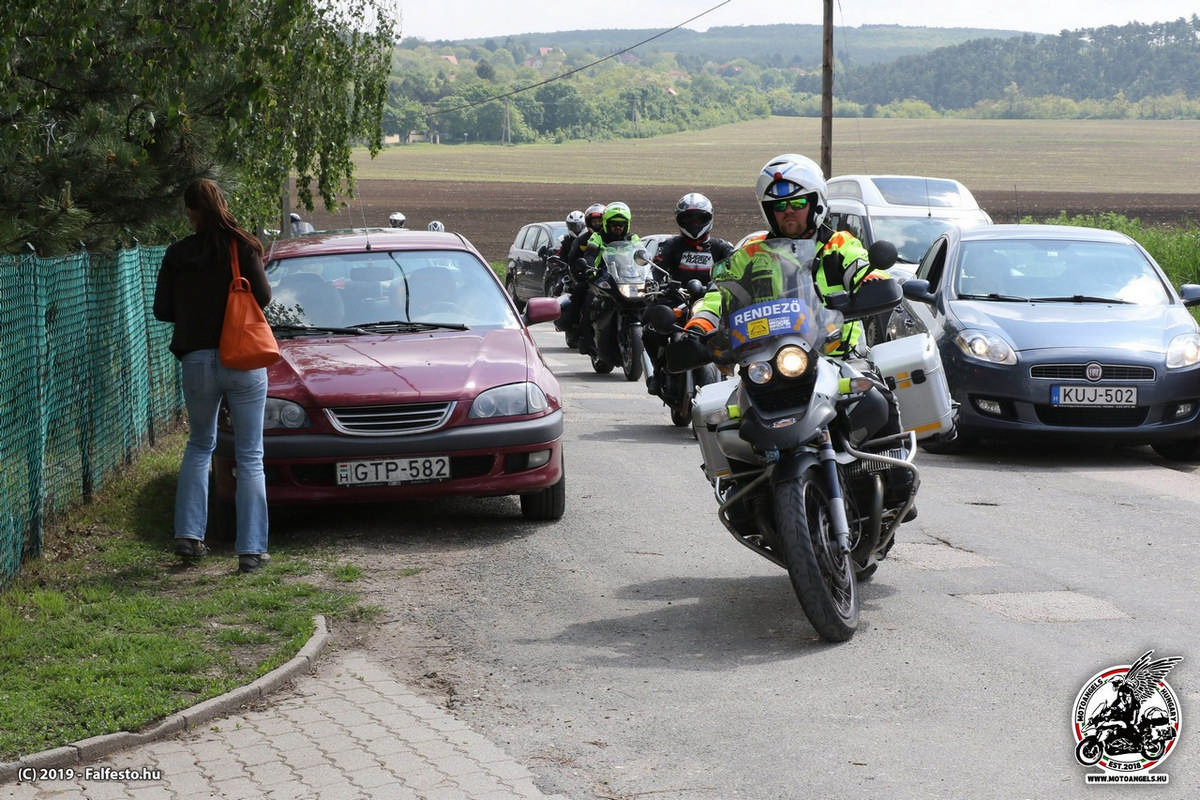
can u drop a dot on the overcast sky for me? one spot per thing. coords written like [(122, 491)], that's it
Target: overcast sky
[(470, 19)]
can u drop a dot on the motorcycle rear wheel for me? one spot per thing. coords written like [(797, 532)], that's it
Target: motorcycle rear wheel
[(822, 578)]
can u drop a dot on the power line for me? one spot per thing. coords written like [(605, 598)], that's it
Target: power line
[(569, 73)]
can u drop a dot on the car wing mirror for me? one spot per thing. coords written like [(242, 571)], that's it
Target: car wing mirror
[(917, 289)]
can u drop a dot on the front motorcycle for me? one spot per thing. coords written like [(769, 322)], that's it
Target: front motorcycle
[(676, 389), (619, 291), (790, 444)]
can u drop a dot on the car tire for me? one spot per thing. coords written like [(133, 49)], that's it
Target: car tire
[(1181, 450), (510, 285), (547, 505)]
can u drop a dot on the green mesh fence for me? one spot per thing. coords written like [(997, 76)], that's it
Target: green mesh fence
[(86, 380)]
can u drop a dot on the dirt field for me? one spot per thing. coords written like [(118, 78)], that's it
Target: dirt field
[(489, 214)]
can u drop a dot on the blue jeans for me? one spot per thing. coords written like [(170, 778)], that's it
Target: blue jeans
[(205, 382)]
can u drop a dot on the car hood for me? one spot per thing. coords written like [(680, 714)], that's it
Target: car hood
[(438, 365), (1037, 326)]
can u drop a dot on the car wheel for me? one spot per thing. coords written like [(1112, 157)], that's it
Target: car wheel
[(547, 505), (1181, 450), (510, 284)]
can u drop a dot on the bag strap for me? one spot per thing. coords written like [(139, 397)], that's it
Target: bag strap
[(233, 258)]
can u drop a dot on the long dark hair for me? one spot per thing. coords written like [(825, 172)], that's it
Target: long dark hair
[(215, 220)]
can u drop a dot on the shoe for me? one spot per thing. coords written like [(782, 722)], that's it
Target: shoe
[(651, 384), (252, 562), (190, 548)]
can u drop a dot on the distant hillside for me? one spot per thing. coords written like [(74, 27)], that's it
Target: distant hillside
[(765, 45)]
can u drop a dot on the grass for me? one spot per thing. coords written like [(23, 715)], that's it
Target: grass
[(107, 631), (1152, 156)]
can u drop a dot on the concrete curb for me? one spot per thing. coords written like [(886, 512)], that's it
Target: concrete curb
[(96, 747)]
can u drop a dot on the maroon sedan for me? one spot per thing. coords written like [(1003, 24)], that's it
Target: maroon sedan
[(407, 373)]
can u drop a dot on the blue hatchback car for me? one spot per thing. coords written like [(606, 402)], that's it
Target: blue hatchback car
[(1058, 331)]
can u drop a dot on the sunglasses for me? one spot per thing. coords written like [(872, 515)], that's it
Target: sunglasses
[(783, 205)]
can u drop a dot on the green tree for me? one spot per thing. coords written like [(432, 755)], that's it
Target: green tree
[(110, 107)]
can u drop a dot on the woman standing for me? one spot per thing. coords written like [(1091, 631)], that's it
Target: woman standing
[(193, 284)]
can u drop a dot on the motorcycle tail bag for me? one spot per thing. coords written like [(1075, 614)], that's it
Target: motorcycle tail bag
[(913, 371)]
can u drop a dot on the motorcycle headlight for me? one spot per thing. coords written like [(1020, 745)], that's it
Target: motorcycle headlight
[(986, 347), (511, 400), (791, 361), (759, 372), (1183, 351), (630, 291), (284, 414)]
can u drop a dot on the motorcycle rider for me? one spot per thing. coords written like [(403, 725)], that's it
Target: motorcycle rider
[(691, 254), (572, 309), (576, 225), (396, 219), (614, 226), (791, 193), (436, 226)]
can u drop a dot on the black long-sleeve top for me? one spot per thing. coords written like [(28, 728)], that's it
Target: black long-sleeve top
[(193, 285)]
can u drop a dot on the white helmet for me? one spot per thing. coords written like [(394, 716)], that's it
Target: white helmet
[(788, 177), (576, 222), (694, 216), (396, 220), (436, 226)]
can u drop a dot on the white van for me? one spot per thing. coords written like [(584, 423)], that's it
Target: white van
[(910, 211)]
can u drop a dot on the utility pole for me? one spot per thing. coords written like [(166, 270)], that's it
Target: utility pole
[(827, 93)]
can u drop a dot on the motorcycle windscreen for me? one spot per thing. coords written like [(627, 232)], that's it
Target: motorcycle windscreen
[(778, 297), (625, 262)]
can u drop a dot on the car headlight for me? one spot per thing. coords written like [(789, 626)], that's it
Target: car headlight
[(511, 400), (986, 347), (1183, 351), (791, 361), (284, 414)]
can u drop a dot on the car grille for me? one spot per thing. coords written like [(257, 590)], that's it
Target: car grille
[(1091, 417), (1078, 372), (390, 420)]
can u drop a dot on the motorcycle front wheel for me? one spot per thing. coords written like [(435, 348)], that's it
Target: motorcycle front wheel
[(822, 577), (1153, 750), (631, 351), (1088, 751)]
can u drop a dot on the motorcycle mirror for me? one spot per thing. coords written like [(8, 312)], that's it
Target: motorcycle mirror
[(639, 256), (882, 254), (695, 288), (543, 250), (660, 319)]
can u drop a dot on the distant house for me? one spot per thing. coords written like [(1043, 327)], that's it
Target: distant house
[(453, 59)]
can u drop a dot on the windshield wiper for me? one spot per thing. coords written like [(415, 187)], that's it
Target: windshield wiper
[(294, 329), (1079, 298), (408, 325), (1007, 298)]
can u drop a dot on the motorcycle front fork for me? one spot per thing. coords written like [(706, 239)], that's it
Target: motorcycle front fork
[(837, 507)]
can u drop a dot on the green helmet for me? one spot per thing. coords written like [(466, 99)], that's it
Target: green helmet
[(619, 212)]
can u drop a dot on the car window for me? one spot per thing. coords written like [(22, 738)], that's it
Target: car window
[(529, 238), (540, 240), (915, 191), (350, 289), (1061, 270), (845, 221), (911, 235), (933, 264)]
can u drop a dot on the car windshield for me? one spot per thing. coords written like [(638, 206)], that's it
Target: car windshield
[(1058, 271), (440, 288), (911, 235)]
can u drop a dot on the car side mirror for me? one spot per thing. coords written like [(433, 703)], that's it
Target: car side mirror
[(1190, 294), (917, 290), (543, 250), (541, 309)]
